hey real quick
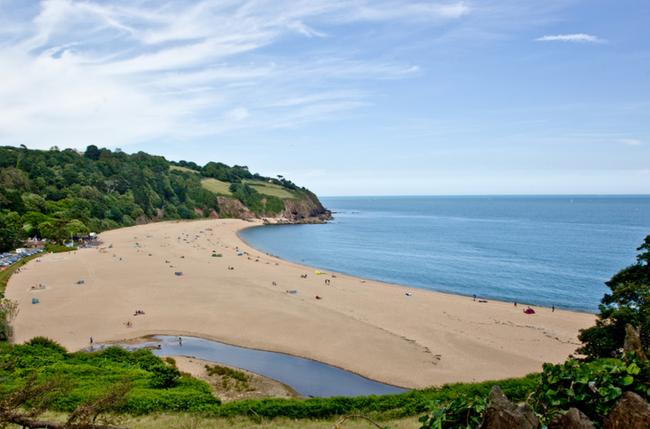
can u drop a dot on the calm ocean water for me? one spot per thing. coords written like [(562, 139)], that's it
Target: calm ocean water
[(551, 250)]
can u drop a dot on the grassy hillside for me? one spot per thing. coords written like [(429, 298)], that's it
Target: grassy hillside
[(272, 189), (216, 186), (58, 194)]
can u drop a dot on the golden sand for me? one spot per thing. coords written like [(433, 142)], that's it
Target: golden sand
[(371, 328)]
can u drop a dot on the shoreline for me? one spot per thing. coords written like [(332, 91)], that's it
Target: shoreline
[(387, 283), (361, 326)]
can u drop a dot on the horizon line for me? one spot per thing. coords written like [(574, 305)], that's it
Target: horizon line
[(483, 195)]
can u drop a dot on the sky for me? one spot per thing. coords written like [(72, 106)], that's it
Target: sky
[(345, 97)]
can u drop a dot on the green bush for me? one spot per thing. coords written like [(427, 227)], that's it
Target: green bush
[(387, 406), (462, 412), (592, 387), (47, 343), (156, 385), (164, 377)]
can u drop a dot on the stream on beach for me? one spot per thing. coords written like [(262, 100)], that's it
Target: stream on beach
[(308, 377)]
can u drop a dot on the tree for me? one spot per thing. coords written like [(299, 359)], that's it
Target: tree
[(92, 152), (10, 230), (8, 312), (629, 302), (76, 228)]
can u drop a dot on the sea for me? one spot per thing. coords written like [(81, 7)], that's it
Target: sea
[(538, 250)]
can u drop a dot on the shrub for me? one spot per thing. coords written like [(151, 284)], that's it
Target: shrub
[(462, 412), (592, 387), (47, 343), (155, 385), (164, 377)]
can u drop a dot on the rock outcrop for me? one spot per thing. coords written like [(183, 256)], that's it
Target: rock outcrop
[(230, 207), (630, 412), (308, 209), (572, 419), (501, 413)]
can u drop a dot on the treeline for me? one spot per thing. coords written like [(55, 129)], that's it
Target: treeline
[(57, 194)]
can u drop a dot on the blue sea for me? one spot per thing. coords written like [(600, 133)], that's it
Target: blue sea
[(541, 250)]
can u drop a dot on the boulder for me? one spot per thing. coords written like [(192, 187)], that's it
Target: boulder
[(630, 412), (501, 413), (572, 419)]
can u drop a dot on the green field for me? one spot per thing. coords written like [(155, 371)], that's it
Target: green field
[(265, 188), (216, 186), (271, 189)]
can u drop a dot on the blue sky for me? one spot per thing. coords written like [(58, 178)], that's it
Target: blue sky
[(346, 97)]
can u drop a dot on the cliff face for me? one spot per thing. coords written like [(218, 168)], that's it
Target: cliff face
[(307, 209), (230, 207)]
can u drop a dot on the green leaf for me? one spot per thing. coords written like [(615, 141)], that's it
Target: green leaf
[(627, 380), (633, 369)]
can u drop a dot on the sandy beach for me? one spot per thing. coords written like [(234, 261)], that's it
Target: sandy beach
[(367, 327)]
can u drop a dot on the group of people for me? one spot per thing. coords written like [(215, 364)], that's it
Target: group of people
[(527, 310)]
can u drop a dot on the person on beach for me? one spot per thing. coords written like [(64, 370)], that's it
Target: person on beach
[(91, 341), (552, 309), (474, 297), (180, 341), (515, 303)]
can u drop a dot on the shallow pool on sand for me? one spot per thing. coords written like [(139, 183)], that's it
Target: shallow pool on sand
[(305, 376)]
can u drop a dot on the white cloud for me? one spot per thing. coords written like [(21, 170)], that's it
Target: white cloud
[(305, 30), (124, 72), (575, 38), (631, 142), (390, 10), (238, 114)]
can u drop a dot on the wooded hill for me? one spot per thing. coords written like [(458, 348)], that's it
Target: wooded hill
[(56, 194)]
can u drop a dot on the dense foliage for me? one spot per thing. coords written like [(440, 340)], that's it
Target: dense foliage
[(461, 412), (629, 302), (256, 202), (156, 385), (57, 194), (592, 387), (385, 406)]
